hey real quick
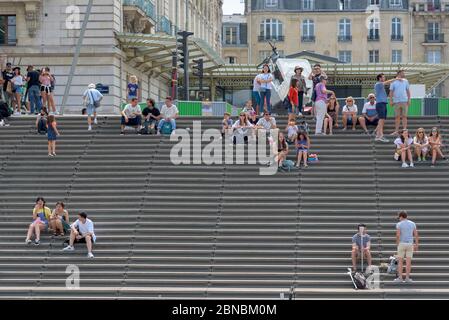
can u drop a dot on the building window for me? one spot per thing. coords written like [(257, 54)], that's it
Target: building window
[(374, 2), (230, 35), (271, 29), (8, 30), (396, 56), (345, 56), (373, 33), (373, 56), (433, 29), (308, 30), (345, 4), (308, 5), (271, 3), (344, 30), (434, 56), (433, 5), (396, 29), (232, 60), (395, 3)]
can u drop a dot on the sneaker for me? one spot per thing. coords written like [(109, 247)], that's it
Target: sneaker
[(68, 248), (299, 114), (432, 165), (367, 133), (37, 242), (404, 165), (16, 113), (408, 280), (412, 165), (398, 280), (90, 128), (95, 121), (90, 255), (345, 128), (28, 241), (57, 113), (50, 155), (122, 133)]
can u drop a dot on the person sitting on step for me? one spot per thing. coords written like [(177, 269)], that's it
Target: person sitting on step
[(82, 231), (361, 240), (58, 219), (41, 216), (302, 148), (436, 143), (131, 116), (421, 143), (369, 114), (350, 111), (403, 149), (151, 115), (169, 113)]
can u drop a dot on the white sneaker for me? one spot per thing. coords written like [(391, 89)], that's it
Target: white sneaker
[(383, 139), (299, 114), (17, 113), (412, 165), (90, 128), (90, 255), (408, 280), (95, 121), (404, 165), (68, 248), (397, 280), (2, 123)]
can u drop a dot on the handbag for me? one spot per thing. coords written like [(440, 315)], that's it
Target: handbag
[(96, 102), (9, 87)]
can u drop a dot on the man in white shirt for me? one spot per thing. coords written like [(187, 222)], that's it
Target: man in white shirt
[(131, 116), (82, 231), (169, 113), (369, 114), (266, 123), (350, 111)]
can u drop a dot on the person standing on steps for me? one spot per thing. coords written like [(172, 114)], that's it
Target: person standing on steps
[(302, 87), (321, 104), (400, 98), (33, 88), (266, 85), (52, 133), (315, 76), (406, 232), (91, 96), (381, 105)]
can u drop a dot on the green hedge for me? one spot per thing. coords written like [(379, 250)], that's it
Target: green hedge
[(443, 107)]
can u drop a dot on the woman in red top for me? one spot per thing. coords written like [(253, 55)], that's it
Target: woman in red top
[(293, 96)]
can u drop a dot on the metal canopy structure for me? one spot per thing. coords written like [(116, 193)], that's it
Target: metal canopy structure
[(344, 74), (154, 51)]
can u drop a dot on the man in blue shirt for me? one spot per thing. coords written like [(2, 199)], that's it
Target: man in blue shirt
[(405, 233), (369, 114), (359, 240), (381, 105), (400, 98)]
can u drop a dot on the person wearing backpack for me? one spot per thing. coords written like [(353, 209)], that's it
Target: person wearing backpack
[(41, 121), (361, 240), (169, 114), (92, 98), (406, 232)]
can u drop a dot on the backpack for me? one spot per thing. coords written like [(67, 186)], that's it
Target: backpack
[(393, 266), (166, 128), (359, 280), (42, 126), (287, 166), (5, 112), (286, 103)]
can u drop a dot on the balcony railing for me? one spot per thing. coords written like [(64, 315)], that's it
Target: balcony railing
[(144, 5), (308, 39), (434, 38), (397, 37), (274, 38), (165, 25), (373, 37), (345, 38)]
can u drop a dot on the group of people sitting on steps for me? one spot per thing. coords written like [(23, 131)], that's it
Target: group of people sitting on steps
[(57, 223)]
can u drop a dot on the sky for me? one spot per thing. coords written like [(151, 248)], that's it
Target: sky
[(233, 6)]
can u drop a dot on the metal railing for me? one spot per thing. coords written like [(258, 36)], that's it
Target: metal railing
[(344, 38), (373, 37), (144, 5), (308, 39), (274, 38), (397, 37), (165, 25)]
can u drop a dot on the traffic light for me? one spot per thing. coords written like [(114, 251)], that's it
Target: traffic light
[(198, 68), (183, 48)]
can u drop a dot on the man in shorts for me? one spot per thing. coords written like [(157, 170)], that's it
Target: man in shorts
[(381, 105), (82, 231), (400, 98), (405, 233), (369, 114)]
